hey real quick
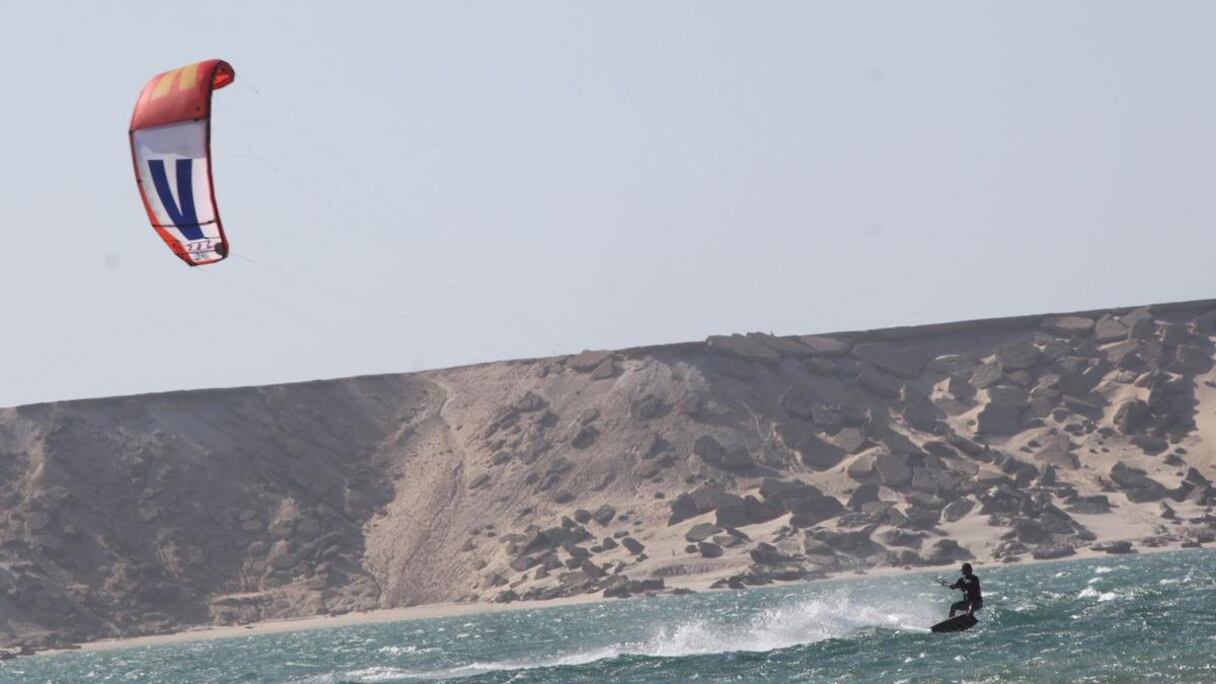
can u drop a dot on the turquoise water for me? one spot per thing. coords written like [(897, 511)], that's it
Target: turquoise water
[(1113, 619)]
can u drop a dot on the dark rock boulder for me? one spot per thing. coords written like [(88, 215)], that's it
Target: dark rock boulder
[(584, 437), (1137, 485), (587, 361), (733, 511), (701, 532), (879, 383), (1022, 473), (1007, 395), (813, 510), (1029, 531), (1151, 444), (1069, 326), (945, 551), (826, 346), (698, 501), (1002, 499), (1115, 547), (783, 493), (531, 402), (632, 545), (820, 455), (1052, 552), (1132, 416), (1109, 329), (1191, 360), (896, 360), (1089, 505), (1171, 334), (862, 468), (960, 388), (894, 470), (1017, 356), (1057, 452), (986, 375), (997, 419), (604, 514), (812, 451), (742, 347), (646, 407), (856, 544), (956, 510), (732, 457), (1195, 477), (851, 439), (767, 554), (605, 370), (953, 365), (919, 412), (896, 537), (827, 417), (1205, 323), (784, 346), (798, 401), (866, 493)]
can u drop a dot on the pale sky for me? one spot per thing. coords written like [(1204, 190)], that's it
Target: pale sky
[(412, 185)]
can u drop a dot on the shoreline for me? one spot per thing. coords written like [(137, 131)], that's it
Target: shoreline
[(448, 609)]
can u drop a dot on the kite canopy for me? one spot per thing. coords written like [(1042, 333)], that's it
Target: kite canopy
[(171, 148)]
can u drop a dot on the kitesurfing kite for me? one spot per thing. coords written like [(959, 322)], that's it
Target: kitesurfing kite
[(171, 148)]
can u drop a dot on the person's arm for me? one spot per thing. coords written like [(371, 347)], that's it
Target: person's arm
[(957, 585)]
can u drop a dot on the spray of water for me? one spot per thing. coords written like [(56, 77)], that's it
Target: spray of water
[(834, 615), (837, 614)]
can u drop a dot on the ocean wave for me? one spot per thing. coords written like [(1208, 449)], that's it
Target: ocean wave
[(833, 616)]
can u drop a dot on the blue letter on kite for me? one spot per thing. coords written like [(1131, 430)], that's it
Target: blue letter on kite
[(183, 216)]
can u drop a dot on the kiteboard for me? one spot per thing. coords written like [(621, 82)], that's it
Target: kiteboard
[(957, 623)]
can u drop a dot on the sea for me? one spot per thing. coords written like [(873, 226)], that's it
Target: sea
[(1132, 618)]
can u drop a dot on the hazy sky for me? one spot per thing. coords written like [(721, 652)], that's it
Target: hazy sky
[(411, 185)]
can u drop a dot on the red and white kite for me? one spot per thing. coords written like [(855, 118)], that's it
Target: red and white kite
[(171, 148)]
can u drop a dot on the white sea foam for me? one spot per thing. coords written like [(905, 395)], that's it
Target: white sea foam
[(404, 650), (378, 674), (1102, 570), (834, 615), (368, 675), (1102, 596), (831, 616)]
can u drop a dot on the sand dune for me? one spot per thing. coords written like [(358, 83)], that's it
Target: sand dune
[(743, 460)]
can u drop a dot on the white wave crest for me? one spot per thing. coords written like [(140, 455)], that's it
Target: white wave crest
[(1102, 596), (834, 615)]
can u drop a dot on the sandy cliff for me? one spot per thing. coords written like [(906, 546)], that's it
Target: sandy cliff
[(741, 460)]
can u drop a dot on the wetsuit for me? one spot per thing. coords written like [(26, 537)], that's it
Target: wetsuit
[(973, 600)]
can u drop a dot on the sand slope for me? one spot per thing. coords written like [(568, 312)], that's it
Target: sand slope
[(738, 461)]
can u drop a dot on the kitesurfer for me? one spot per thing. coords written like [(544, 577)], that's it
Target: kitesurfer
[(969, 584)]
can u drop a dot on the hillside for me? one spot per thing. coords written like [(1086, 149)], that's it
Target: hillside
[(739, 461)]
